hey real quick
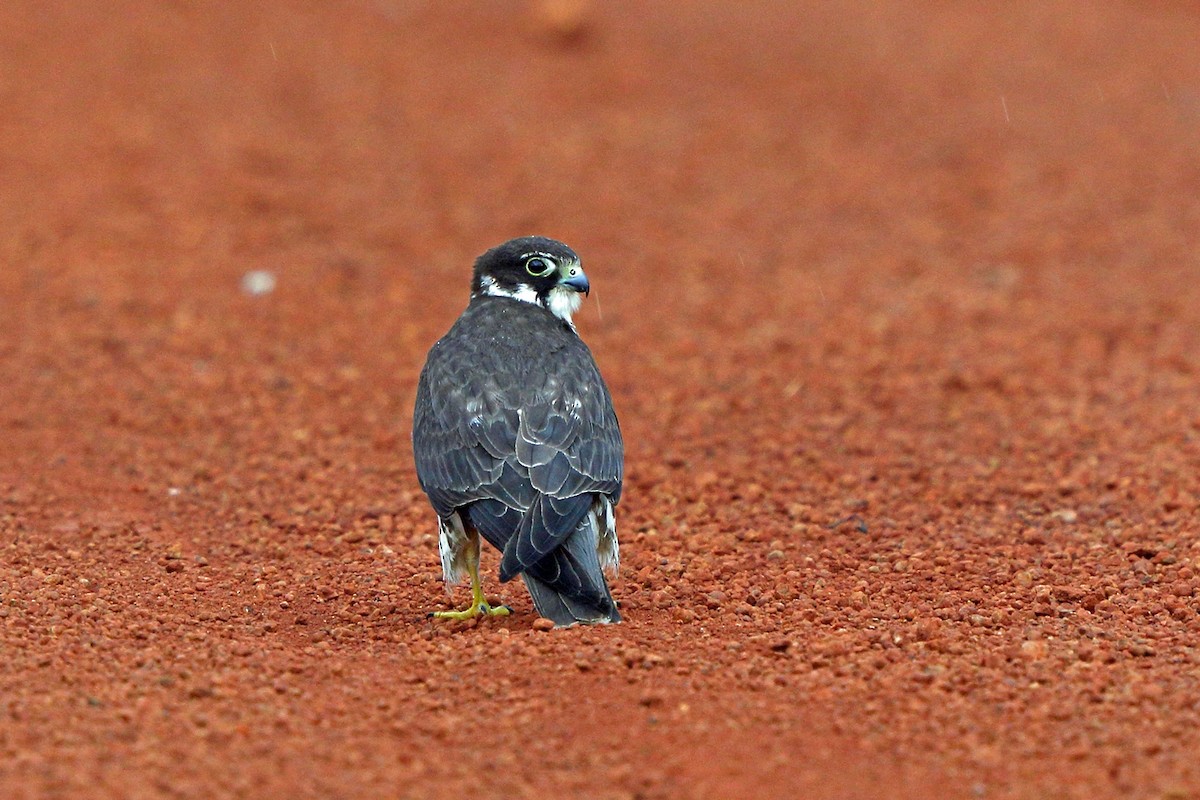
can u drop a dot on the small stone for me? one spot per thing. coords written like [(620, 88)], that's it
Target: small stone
[(1067, 594), (258, 282), (683, 614), (927, 628), (1141, 650), (1033, 536), (651, 700), (1034, 649), (566, 20), (543, 624), (1067, 515)]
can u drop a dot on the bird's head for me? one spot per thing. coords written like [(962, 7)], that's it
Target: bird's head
[(536, 270)]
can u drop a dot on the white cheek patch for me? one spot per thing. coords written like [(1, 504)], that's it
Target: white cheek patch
[(562, 302), (522, 291), (526, 293)]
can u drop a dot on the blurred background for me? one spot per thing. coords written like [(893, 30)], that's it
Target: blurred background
[(786, 172), (931, 263)]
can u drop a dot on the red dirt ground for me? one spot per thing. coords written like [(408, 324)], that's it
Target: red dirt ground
[(930, 264)]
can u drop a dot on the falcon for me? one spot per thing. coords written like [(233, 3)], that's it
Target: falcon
[(516, 440)]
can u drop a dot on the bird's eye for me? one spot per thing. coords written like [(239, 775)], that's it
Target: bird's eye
[(539, 267)]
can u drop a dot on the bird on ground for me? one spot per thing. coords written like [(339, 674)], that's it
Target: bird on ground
[(516, 440)]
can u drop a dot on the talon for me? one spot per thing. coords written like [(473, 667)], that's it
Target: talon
[(470, 612), (480, 605)]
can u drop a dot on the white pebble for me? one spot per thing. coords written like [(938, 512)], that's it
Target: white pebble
[(258, 282)]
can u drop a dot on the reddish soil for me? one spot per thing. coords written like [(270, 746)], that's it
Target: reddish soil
[(899, 303)]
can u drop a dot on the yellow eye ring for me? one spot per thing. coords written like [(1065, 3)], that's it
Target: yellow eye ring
[(539, 266)]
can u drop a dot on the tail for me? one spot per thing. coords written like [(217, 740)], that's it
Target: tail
[(568, 585)]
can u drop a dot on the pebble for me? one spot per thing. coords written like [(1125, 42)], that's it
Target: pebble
[(651, 699), (1034, 649), (566, 20), (258, 282)]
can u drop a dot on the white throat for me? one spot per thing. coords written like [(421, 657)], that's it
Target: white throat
[(563, 301)]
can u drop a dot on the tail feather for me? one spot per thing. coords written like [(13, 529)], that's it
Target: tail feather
[(568, 586), (563, 610)]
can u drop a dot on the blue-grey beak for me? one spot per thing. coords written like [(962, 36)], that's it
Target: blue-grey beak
[(571, 275)]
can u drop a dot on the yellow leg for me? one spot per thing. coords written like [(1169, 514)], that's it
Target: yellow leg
[(479, 605)]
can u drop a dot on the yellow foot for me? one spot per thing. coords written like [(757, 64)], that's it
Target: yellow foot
[(476, 610)]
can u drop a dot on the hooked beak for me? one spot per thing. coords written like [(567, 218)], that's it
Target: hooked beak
[(571, 275)]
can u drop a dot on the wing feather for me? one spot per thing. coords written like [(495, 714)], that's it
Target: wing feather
[(523, 424)]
